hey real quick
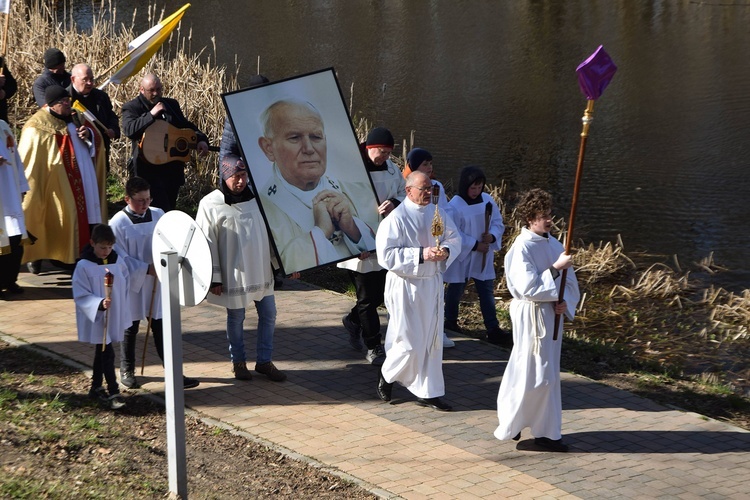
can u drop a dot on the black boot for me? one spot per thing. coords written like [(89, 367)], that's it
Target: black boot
[(384, 388)]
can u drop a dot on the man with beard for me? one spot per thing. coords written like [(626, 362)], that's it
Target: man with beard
[(137, 116)]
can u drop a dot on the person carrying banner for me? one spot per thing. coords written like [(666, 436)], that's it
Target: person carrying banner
[(363, 321), (139, 114)]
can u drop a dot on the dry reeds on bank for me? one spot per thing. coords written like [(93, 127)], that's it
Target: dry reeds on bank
[(651, 311), (193, 79)]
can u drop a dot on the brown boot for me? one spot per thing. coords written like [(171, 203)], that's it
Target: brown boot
[(241, 372)]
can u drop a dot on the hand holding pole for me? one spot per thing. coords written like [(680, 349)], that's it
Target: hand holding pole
[(594, 74), (109, 280)]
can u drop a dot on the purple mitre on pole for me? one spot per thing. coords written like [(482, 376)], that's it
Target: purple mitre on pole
[(595, 73)]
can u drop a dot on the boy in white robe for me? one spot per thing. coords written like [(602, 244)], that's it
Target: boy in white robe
[(96, 307), (242, 275), (134, 229), (477, 259), (529, 393), (406, 247)]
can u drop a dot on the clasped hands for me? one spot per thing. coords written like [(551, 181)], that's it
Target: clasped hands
[(332, 210), (434, 254)]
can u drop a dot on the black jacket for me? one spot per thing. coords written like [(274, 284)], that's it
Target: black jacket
[(46, 79), (10, 89), (136, 118)]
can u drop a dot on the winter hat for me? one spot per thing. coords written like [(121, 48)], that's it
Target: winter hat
[(231, 165), (469, 175), (379, 137), (417, 156), (53, 57), (54, 93)]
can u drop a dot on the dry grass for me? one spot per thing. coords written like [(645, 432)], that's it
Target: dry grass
[(653, 312)]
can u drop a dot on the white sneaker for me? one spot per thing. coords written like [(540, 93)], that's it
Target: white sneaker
[(447, 342)]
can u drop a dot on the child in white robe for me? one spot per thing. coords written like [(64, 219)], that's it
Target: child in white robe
[(477, 260), (529, 393), (96, 308)]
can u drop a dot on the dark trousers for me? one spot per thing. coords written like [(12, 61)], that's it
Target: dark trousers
[(370, 289), (127, 346), (104, 369), (10, 263)]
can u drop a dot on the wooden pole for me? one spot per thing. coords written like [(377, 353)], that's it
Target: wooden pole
[(148, 325), (588, 117)]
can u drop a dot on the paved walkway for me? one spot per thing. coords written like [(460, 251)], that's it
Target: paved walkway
[(622, 446)]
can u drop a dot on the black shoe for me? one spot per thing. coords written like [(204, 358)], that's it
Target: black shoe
[(500, 337), (551, 444), (128, 380), (452, 326), (3, 296), (189, 383), (14, 288), (269, 370), (355, 337), (376, 356), (99, 394), (34, 267), (517, 437), (384, 388), (434, 403)]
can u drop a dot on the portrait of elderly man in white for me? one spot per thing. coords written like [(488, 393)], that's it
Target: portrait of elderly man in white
[(312, 216)]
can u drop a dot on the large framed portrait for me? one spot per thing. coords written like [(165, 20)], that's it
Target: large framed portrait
[(306, 168)]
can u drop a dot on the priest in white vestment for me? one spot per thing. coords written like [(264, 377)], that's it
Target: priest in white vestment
[(529, 393), (312, 215), (414, 293)]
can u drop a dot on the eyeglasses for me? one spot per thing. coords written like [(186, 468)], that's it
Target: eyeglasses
[(429, 188), (141, 201)]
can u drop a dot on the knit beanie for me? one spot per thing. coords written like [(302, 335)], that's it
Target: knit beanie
[(54, 93), (231, 165), (379, 137), (53, 57), (416, 157)]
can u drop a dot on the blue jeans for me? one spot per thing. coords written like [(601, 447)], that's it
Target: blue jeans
[(266, 308), (485, 290)]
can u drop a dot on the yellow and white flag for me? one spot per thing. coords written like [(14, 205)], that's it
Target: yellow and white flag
[(144, 47)]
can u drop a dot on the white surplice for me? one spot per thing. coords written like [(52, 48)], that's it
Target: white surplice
[(240, 250), (88, 293), (414, 297), (12, 184), (529, 393), (134, 246), (470, 222)]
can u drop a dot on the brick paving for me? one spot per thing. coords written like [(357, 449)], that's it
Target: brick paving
[(622, 446)]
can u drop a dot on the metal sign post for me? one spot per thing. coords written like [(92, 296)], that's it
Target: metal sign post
[(173, 387), (182, 251)]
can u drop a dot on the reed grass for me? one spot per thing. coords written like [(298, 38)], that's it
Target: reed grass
[(656, 312)]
